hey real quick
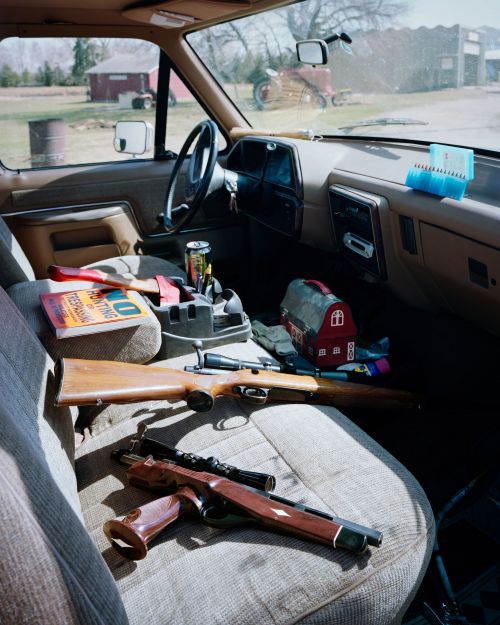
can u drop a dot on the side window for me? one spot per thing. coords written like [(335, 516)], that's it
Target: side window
[(184, 113), (61, 98)]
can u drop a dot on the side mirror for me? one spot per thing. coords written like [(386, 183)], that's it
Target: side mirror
[(133, 137), (312, 52), (315, 51)]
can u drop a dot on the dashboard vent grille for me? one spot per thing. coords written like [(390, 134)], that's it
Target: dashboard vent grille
[(408, 234)]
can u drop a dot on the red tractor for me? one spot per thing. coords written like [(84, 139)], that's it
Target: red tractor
[(297, 84)]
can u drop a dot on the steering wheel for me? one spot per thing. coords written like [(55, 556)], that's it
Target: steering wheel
[(198, 176)]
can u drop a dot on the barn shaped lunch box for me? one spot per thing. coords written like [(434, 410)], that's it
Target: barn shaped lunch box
[(320, 324)]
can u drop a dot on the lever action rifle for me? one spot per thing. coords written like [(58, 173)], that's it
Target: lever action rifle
[(222, 503), (96, 382)]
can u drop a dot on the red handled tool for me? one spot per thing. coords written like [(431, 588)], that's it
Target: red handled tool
[(170, 291)]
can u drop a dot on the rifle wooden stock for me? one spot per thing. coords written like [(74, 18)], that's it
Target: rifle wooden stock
[(90, 382), (206, 493)]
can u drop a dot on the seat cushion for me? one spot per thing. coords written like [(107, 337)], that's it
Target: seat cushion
[(139, 266), (50, 570), (138, 343), (14, 266), (196, 574)]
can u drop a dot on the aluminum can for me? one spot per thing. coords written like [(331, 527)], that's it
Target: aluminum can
[(198, 258)]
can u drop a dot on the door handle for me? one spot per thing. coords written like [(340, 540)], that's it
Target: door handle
[(358, 245)]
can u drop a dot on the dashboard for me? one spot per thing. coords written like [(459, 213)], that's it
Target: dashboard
[(349, 197), (269, 183)]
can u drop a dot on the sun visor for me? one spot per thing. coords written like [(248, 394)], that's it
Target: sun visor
[(180, 13)]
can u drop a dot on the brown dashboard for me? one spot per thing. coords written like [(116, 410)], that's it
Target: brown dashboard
[(269, 183), (433, 252)]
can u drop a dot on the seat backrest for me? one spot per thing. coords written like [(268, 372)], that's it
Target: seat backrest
[(14, 265), (50, 569)]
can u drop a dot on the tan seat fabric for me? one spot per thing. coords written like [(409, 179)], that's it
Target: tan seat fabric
[(50, 571), (139, 266), (196, 574), (139, 343), (135, 344), (14, 266)]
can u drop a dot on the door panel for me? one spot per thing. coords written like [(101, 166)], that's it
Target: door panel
[(56, 212), (74, 237), (77, 215), (142, 185)]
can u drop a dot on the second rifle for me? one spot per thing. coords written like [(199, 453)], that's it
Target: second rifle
[(95, 382)]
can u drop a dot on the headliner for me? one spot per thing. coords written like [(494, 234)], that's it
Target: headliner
[(109, 12)]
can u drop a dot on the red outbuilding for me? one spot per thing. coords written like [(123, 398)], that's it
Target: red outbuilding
[(129, 72)]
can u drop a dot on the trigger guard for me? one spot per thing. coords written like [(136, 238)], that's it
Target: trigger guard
[(215, 517), (251, 394)]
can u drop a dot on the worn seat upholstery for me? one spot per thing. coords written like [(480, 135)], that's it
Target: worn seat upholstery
[(133, 344), (52, 571)]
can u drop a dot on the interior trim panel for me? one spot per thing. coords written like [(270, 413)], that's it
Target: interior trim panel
[(397, 227)]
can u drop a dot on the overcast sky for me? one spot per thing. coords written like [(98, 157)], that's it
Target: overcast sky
[(471, 13)]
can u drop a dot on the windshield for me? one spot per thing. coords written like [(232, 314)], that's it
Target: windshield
[(416, 69)]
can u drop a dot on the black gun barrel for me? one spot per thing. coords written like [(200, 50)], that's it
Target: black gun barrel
[(216, 361)]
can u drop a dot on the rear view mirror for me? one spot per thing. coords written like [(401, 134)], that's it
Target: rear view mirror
[(133, 137), (312, 52)]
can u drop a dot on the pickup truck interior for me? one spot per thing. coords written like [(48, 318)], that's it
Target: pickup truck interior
[(283, 135)]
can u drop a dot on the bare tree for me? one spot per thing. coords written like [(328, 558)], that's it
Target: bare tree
[(320, 18), (243, 48)]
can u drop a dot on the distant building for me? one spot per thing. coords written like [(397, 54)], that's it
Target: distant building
[(129, 72), (491, 37), (406, 60), (493, 65)]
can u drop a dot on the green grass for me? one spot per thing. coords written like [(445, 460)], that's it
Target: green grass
[(90, 145), (83, 145)]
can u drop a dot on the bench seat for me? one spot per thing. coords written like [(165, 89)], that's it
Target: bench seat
[(57, 567)]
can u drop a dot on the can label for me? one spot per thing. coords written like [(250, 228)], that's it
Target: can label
[(198, 259)]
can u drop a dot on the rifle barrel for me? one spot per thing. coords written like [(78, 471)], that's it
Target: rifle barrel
[(213, 363)]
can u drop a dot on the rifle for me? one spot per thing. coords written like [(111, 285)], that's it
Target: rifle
[(96, 382), (222, 503)]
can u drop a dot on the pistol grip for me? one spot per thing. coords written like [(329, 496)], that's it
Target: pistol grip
[(131, 535)]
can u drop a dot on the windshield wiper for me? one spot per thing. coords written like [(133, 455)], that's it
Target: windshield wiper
[(382, 121)]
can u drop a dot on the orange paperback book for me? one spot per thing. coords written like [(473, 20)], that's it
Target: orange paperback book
[(74, 313)]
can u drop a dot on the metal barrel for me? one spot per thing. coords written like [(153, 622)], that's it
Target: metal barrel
[(47, 142), (216, 361), (223, 362)]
